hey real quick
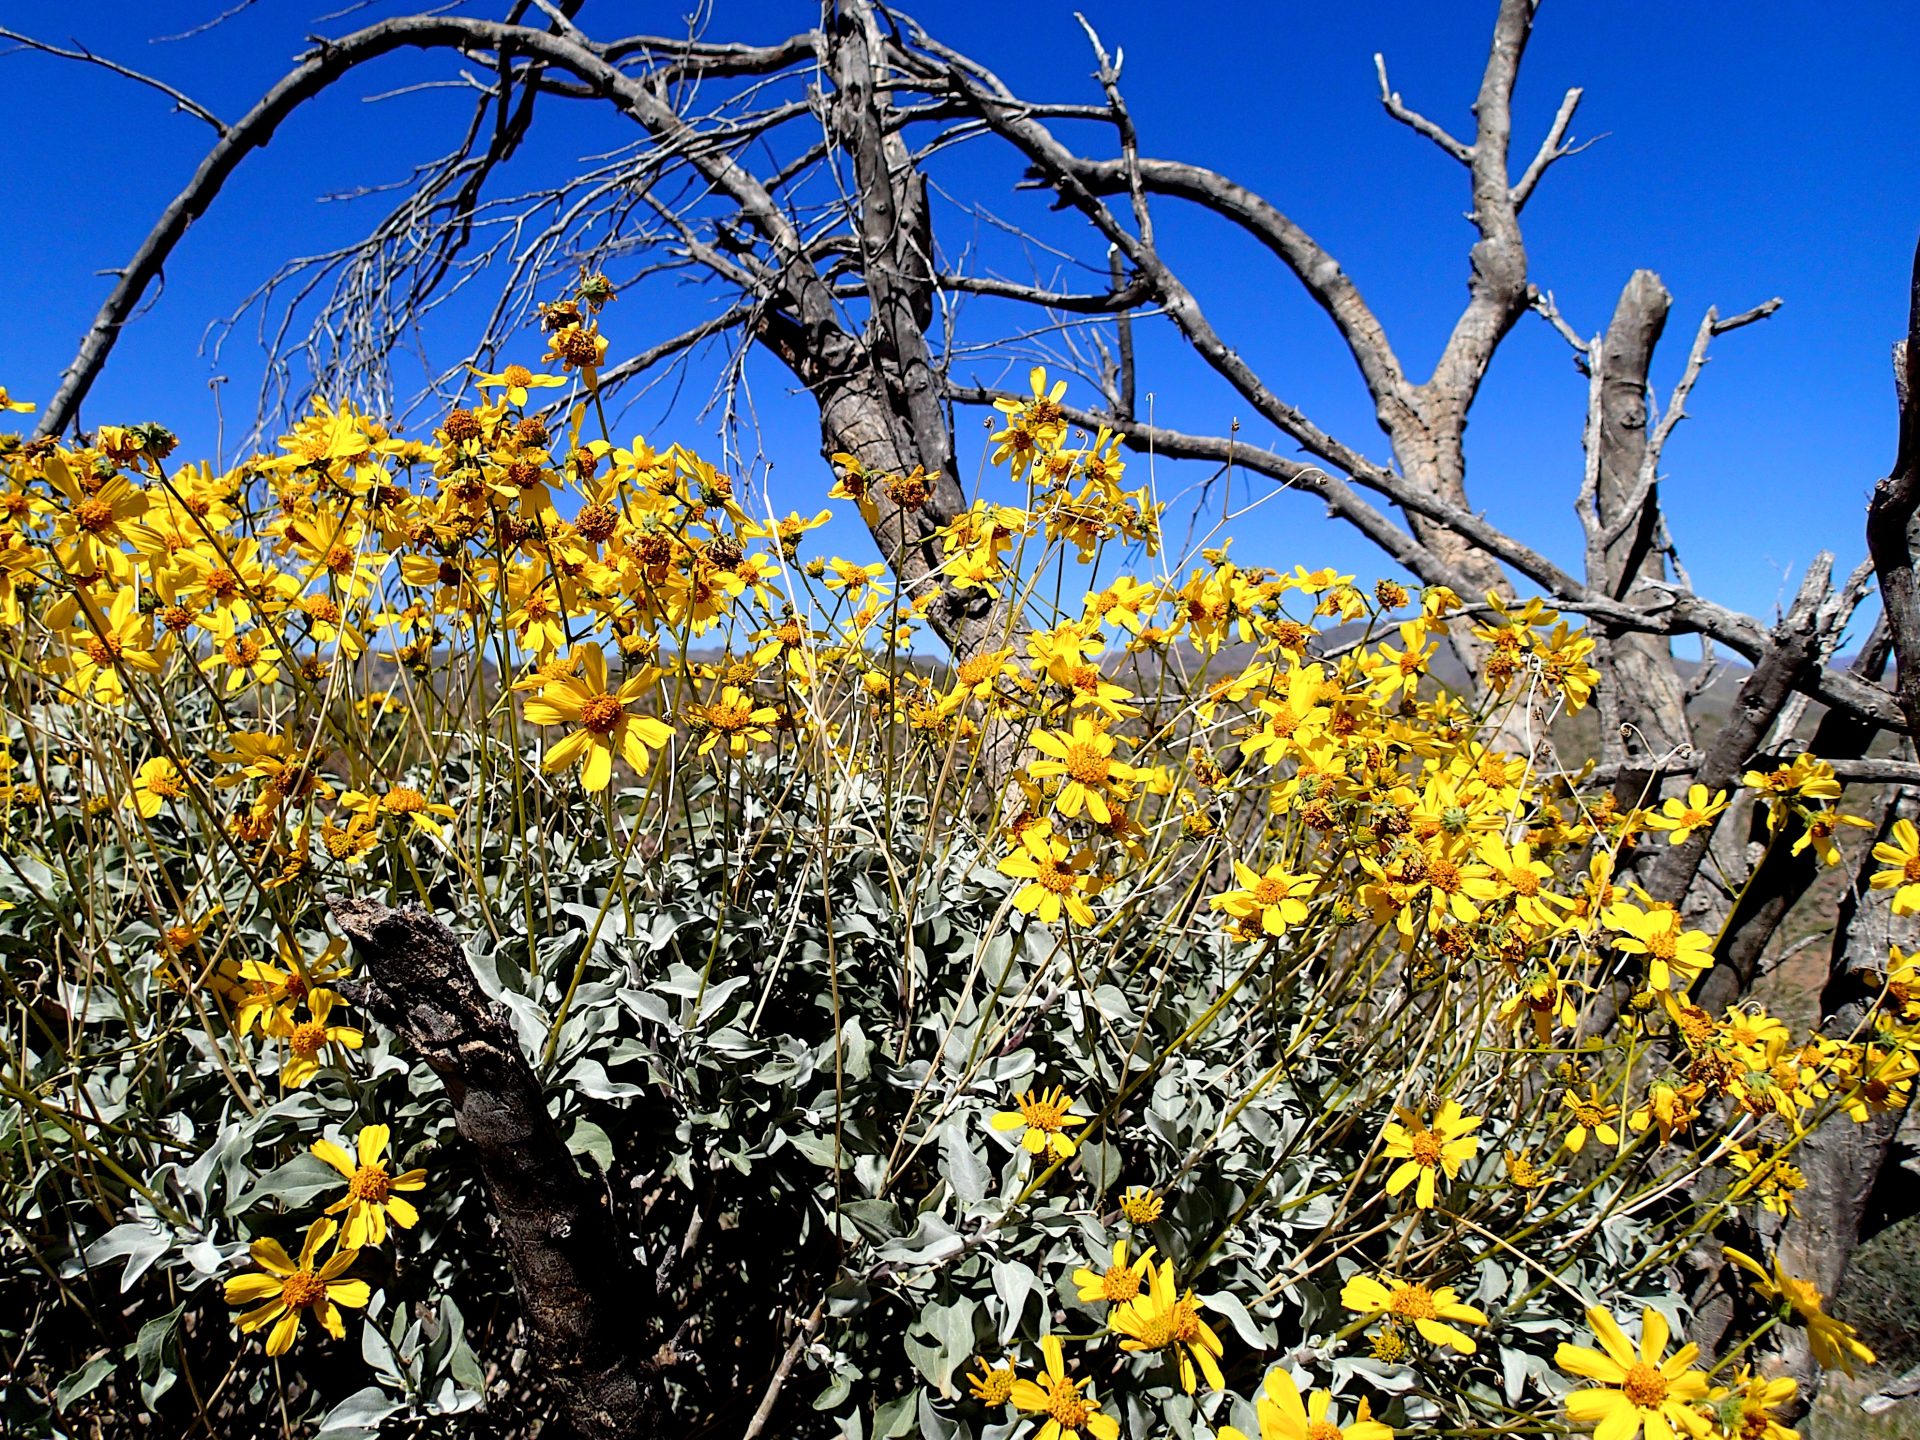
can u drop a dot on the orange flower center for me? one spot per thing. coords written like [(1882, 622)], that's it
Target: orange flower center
[(1119, 1283), (1055, 877), (1662, 944), (516, 375), (1426, 1149), (1911, 870), (371, 1183), (1412, 1302), (403, 800), (223, 583), (1524, 882), (1086, 764), (1268, 891), (1065, 1406), (599, 715), (1645, 1386), (994, 1387), (730, 716), (1042, 1112), (1443, 875), (307, 1039), (1322, 1430), (302, 1288), (1156, 1331), (93, 514), (1183, 1321)]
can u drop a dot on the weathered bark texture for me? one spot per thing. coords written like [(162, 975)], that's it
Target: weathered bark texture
[(1782, 878), (1890, 518), (590, 1316), (1642, 698), (1845, 1164), (1795, 647)]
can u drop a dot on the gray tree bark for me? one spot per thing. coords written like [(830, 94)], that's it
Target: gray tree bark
[(1642, 699), (590, 1314)]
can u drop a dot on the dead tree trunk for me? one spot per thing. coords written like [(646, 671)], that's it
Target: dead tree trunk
[(1642, 700), (591, 1316), (1842, 1160)]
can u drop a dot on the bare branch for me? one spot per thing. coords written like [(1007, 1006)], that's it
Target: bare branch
[(1123, 297), (1710, 326), (1414, 120), (582, 1304), (1553, 148), (181, 101), (1550, 312), (1329, 285), (202, 28)]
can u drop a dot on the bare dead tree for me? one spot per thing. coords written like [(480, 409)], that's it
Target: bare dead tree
[(791, 178)]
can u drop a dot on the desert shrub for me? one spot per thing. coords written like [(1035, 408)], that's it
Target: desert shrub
[(1173, 1007)]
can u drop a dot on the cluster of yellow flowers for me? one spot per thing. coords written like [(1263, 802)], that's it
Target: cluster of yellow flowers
[(1150, 1313), (285, 1288), (636, 614)]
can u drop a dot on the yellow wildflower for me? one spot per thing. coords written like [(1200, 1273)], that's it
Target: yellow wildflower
[(1649, 1388), (602, 720), (291, 1288), (371, 1197), (1427, 1310), (1045, 1114), (1424, 1153), (1058, 1398)]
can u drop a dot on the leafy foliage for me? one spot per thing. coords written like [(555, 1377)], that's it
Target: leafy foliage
[(1246, 1043)]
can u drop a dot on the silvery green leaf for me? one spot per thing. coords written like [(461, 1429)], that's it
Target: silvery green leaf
[(831, 1398), (530, 1022), (965, 1168), (589, 1077), (150, 1346), (819, 1148), (1100, 1163), (855, 1049), (1516, 1367), (934, 1425), (295, 1183), (847, 1297), (378, 1353), (1255, 1335), (80, 1383), (360, 1414), (896, 1417), (139, 1242), (932, 1241), (1013, 1282)]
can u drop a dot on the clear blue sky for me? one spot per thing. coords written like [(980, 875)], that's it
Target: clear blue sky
[(1758, 149)]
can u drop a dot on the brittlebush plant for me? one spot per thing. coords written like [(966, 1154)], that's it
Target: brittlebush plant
[(1220, 1064)]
